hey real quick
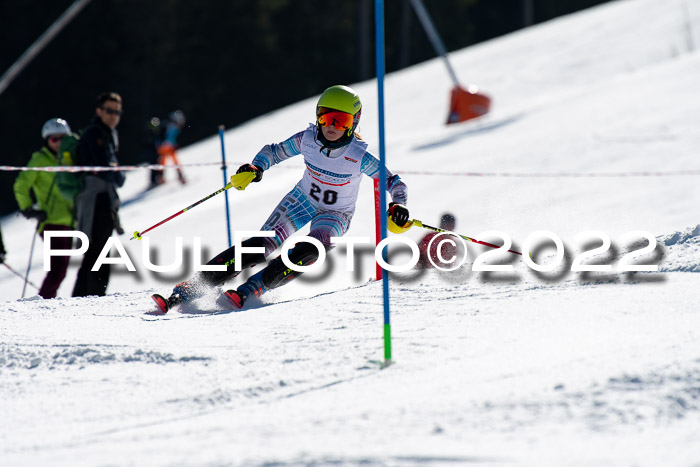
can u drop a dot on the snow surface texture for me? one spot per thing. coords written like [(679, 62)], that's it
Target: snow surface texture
[(501, 368)]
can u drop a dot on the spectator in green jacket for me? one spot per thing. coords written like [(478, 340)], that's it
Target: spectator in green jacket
[(53, 212)]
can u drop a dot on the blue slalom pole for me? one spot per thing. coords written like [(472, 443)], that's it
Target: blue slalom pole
[(223, 167), (379, 40)]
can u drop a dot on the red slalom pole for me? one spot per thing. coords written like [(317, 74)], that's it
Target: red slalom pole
[(377, 224)]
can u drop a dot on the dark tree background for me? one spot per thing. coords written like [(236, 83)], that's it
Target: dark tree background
[(220, 61)]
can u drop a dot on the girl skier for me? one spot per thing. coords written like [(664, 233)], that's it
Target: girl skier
[(335, 159)]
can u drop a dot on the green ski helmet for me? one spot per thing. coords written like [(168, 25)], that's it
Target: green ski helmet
[(346, 100)]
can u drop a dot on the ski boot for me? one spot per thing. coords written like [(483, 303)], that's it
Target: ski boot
[(183, 292), (252, 288), (165, 304)]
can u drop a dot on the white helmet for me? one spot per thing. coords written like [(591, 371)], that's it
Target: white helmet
[(55, 126), (177, 116)]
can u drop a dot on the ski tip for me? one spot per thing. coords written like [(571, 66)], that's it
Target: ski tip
[(161, 302), (234, 298)]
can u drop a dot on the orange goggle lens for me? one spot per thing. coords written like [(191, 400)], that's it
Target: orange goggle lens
[(340, 120)]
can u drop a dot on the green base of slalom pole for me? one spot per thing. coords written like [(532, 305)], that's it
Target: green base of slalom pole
[(387, 346)]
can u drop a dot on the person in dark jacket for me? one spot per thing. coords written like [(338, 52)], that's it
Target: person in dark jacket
[(2, 249), (97, 205)]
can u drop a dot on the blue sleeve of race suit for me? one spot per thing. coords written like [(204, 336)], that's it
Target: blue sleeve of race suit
[(272, 154), (395, 186)]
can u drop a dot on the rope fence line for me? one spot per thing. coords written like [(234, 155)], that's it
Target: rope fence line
[(129, 168), (673, 173), (117, 168)]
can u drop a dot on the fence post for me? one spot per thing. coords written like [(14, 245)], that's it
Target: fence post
[(379, 41), (223, 167)]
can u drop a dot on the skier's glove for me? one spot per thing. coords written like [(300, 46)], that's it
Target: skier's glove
[(251, 168), (30, 213), (399, 214), (246, 174), (2, 257)]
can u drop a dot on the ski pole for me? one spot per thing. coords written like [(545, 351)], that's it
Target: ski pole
[(138, 235), (418, 223), (31, 255), (238, 181), (20, 276)]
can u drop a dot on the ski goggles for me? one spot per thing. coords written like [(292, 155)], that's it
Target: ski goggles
[(340, 120)]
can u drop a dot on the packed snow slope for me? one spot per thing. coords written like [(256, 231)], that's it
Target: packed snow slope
[(594, 127)]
